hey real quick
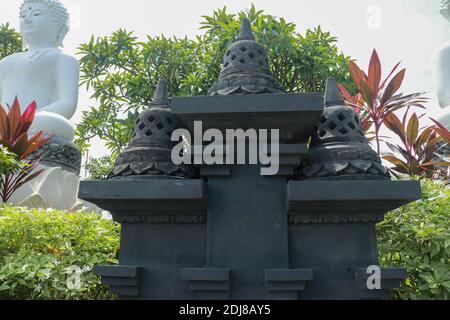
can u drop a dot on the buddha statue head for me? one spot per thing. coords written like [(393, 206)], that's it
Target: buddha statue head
[(44, 22)]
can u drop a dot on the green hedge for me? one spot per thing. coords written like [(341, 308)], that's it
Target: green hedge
[(42, 252), (417, 237), (38, 246)]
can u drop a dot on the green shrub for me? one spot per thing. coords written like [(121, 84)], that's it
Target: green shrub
[(43, 251), (8, 163), (100, 168), (417, 237)]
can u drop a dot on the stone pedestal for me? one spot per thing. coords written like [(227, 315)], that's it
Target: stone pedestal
[(238, 235), (57, 187), (332, 231), (163, 233)]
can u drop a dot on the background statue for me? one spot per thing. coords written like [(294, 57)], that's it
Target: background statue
[(442, 73), (46, 75), (43, 73)]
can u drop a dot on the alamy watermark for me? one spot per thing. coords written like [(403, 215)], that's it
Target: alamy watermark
[(374, 279), (235, 147), (373, 21), (73, 281)]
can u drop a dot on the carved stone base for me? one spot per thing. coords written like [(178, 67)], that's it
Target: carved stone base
[(59, 152), (55, 188)]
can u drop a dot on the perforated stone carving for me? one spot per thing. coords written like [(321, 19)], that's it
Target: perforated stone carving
[(339, 149), (245, 68), (149, 152), (60, 153)]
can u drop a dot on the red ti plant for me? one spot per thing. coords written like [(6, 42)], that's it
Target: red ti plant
[(14, 137), (376, 98), (418, 146)]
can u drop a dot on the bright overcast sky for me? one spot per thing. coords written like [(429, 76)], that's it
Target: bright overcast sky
[(406, 30)]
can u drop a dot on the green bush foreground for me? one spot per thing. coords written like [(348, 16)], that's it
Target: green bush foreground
[(42, 252), (417, 237), (38, 248)]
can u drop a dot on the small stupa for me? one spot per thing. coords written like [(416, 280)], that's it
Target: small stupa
[(149, 152), (339, 149), (245, 68)]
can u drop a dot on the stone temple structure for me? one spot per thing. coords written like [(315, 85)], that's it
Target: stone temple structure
[(224, 231)]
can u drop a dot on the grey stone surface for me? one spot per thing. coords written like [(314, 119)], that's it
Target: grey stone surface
[(339, 148), (332, 231), (163, 232), (235, 234), (295, 115), (122, 280), (149, 151)]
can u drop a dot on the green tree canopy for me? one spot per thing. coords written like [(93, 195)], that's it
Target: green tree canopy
[(10, 41), (123, 71)]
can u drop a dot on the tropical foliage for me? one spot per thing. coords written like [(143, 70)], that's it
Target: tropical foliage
[(417, 237), (416, 152), (377, 102), (14, 137), (377, 98), (10, 41), (100, 168), (47, 254), (8, 162)]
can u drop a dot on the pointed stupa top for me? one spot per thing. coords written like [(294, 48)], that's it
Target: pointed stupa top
[(148, 154), (161, 96), (246, 32), (245, 68), (333, 96), (339, 148)]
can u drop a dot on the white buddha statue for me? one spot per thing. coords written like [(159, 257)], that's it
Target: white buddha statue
[(442, 73), (43, 73), (46, 75)]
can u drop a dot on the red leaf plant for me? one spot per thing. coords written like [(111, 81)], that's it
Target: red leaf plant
[(14, 137), (376, 99), (418, 146)]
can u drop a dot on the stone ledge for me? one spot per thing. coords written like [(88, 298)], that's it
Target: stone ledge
[(122, 280), (294, 114), (210, 284), (286, 284), (390, 279), (347, 201), (149, 201)]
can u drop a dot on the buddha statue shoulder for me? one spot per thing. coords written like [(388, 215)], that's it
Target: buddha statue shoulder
[(442, 73), (43, 73)]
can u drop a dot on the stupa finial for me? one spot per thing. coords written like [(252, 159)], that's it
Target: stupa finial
[(333, 96), (246, 32), (161, 96)]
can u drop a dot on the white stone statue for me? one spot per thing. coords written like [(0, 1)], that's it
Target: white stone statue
[(442, 73), (43, 73), (46, 75)]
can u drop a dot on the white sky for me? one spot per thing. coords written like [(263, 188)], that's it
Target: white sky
[(406, 30)]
